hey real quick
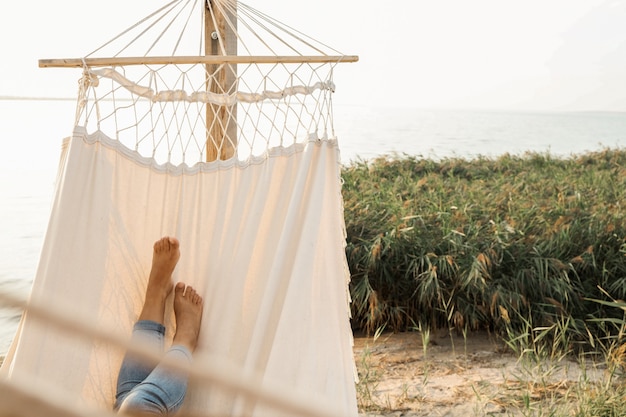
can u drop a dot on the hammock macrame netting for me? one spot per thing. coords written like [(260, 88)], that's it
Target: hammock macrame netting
[(260, 225)]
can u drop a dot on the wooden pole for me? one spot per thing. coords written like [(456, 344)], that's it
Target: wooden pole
[(220, 39)]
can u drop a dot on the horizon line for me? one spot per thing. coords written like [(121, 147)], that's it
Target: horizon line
[(421, 108), (32, 98)]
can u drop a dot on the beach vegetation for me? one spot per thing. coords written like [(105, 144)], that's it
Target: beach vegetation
[(529, 247)]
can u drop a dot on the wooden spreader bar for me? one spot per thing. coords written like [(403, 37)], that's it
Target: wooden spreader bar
[(213, 59)]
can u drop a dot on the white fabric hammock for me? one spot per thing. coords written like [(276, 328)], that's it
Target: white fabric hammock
[(263, 242)]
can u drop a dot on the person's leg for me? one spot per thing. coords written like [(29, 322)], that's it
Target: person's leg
[(163, 391), (149, 329)]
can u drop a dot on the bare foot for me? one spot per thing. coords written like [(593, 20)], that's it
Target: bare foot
[(164, 259), (188, 307)]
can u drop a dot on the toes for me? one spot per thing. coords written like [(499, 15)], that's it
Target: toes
[(188, 292), (195, 297), (191, 292), (165, 244), (158, 245)]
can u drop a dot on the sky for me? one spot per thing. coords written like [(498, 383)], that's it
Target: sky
[(535, 55)]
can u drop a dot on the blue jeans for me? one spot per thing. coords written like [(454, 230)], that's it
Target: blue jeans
[(150, 388)]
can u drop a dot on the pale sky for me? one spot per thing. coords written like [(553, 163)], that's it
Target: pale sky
[(462, 54)]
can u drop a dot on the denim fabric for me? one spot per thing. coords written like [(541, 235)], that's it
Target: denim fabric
[(147, 387)]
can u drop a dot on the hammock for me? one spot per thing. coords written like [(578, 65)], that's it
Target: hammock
[(246, 174)]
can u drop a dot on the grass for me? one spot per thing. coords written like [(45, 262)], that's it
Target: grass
[(531, 247), (540, 390)]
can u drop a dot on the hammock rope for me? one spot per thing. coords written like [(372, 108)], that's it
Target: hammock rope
[(271, 113)]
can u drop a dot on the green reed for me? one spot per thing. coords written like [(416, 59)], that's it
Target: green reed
[(495, 244)]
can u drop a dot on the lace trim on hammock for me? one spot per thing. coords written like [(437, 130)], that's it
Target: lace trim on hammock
[(206, 96), (81, 133)]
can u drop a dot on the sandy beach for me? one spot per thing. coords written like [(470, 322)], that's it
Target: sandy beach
[(457, 376)]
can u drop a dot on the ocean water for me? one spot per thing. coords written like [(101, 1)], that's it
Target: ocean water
[(31, 134), (370, 132)]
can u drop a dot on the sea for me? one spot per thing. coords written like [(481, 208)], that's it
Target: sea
[(31, 132)]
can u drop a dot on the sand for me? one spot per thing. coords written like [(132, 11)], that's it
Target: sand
[(454, 377)]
